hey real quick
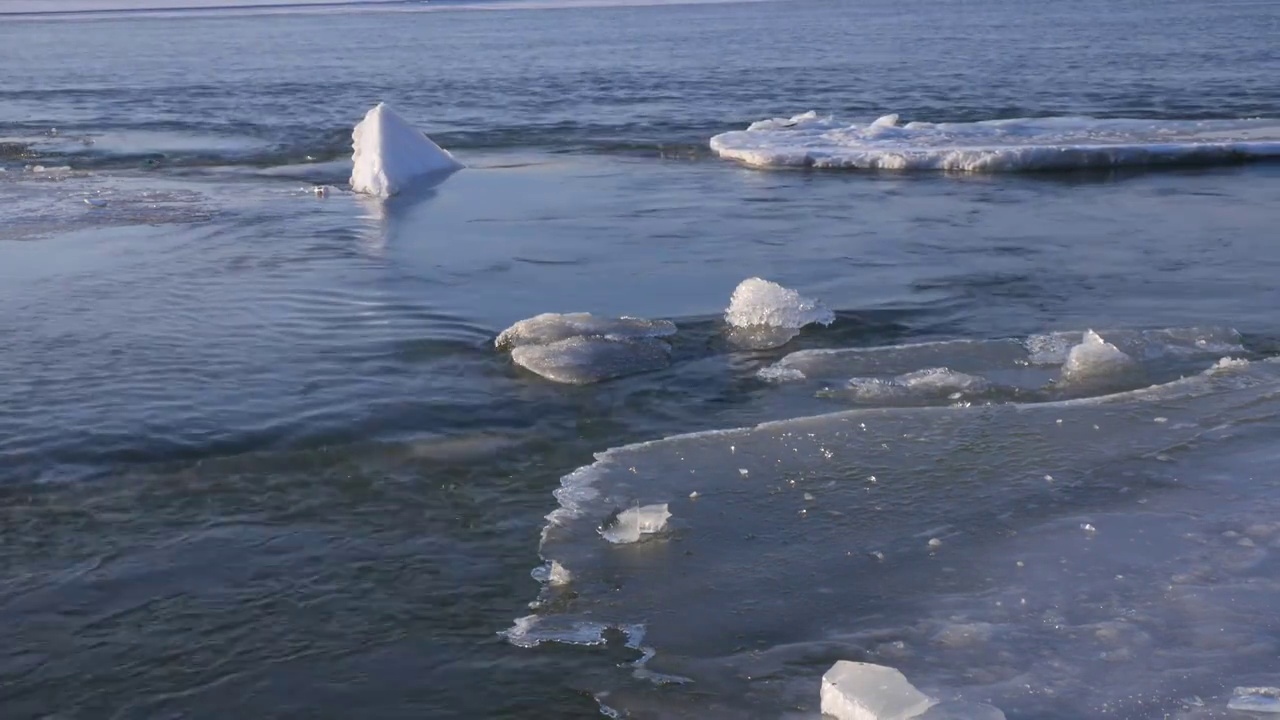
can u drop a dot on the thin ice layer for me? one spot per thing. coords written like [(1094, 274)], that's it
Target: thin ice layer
[(832, 525), (389, 155), (1020, 144)]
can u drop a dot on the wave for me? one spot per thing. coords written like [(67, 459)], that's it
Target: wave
[(1020, 144)]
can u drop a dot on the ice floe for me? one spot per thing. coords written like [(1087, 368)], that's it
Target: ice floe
[(390, 155), (1018, 144), (581, 348)]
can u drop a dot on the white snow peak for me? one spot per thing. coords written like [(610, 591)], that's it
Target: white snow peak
[(389, 154)]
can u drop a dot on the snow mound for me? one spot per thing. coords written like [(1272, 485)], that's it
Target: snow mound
[(389, 154), (1019, 144), (552, 327)]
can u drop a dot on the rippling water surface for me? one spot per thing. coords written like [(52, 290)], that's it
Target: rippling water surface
[(258, 453)]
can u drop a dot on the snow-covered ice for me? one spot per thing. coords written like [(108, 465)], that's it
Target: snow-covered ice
[(1019, 144), (865, 691), (389, 155)]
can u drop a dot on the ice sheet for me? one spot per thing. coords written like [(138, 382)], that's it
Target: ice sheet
[(823, 550), (1003, 369), (1019, 144)]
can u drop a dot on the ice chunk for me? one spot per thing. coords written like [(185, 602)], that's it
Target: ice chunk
[(961, 710), (583, 360), (1256, 699), (551, 327), (764, 314), (631, 524), (863, 691), (1095, 358), (1019, 144), (758, 302), (389, 154)]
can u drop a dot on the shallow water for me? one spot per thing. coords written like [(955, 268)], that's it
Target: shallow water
[(258, 452)]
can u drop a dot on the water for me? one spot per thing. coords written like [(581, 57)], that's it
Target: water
[(259, 454)]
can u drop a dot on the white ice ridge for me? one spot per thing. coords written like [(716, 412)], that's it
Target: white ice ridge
[(581, 348), (389, 154), (1019, 144)]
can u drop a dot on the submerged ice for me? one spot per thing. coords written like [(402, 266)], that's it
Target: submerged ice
[(390, 155), (582, 348), (1020, 144)]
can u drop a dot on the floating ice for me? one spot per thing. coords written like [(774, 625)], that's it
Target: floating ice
[(390, 155), (581, 348), (1095, 358), (584, 360), (764, 314), (1021, 144), (1256, 699), (977, 470), (759, 302), (551, 327), (632, 524), (863, 691)]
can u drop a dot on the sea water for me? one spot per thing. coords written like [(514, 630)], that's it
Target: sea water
[(259, 451)]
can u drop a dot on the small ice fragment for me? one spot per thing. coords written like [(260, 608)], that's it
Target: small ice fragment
[(743, 472), (961, 710), (633, 523), (389, 154), (693, 495), (935, 543), (1256, 699), (1048, 478), (1088, 528), (877, 555), (864, 691), (1021, 564), (1094, 358), (1162, 420), (320, 191), (764, 314), (808, 497), (871, 478), (96, 202)]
